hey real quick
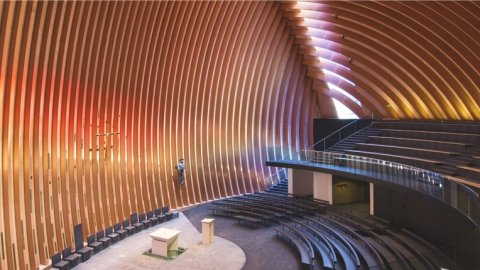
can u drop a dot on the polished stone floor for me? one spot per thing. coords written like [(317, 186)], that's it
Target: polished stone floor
[(128, 253)]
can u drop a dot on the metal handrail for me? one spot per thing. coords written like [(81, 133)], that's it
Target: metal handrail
[(270, 178), (369, 117), (401, 174)]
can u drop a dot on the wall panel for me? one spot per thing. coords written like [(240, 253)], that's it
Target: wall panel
[(211, 82)]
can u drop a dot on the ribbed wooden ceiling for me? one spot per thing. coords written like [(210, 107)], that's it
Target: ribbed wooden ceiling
[(211, 82), (407, 59)]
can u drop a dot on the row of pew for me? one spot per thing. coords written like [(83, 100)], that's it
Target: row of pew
[(332, 238), (101, 240)]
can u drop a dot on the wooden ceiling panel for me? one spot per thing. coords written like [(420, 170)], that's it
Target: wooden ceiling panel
[(418, 57)]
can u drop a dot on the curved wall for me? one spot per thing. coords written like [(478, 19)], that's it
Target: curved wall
[(407, 59), (210, 82)]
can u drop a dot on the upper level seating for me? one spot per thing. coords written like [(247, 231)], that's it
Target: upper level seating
[(420, 143), (449, 148)]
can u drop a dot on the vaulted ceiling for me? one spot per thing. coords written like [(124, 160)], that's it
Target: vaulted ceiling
[(211, 82), (402, 59)]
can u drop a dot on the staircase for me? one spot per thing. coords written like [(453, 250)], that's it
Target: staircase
[(281, 187), (350, 142)]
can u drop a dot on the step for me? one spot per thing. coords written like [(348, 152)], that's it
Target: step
[(429, 126), (444, 170)]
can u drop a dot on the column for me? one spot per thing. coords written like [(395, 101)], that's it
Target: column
[(302, 183), (322, 187), (290, 181), (372, 200)]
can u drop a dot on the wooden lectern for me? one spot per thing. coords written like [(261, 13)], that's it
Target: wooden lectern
[(207, 230)]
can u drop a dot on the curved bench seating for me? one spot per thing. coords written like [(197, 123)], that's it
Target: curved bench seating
[(391, 259), (368, 252), (357, 225), (432, 255), (321, 245), (248, 219), (248, 207), (301, 243), (420, 152), (284, 203), (415, 247), (419, 143), (402, 255), (470, 172), (298, 204), (347, 251), (432, 135), (444, 126), (336, 240), (238, 210), (370, 221), (261, 205)]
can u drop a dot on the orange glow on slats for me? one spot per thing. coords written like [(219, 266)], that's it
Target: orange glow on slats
[(211, 82), (198, 80)]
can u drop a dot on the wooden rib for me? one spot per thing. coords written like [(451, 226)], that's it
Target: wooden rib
[(406, 55), (94, 68), (213, 82)]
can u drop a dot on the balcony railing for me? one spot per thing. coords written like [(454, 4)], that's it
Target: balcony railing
[(342, 133), (433, 184)]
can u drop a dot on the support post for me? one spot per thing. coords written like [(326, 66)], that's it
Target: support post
[(290, 181), (322, 187), (372, 200), (453, 194)]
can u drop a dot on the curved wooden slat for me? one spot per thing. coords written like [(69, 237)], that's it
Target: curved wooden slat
[(415, 60), (212, 82), (198, 80)]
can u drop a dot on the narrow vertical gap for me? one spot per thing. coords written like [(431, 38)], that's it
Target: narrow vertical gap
[(3, 246), (35, 242), (14, 257), (42, 209), (23, 234), (30, 192)]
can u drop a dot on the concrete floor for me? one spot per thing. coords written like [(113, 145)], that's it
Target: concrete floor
[(260, 244), (128, 253)]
